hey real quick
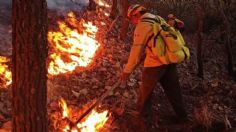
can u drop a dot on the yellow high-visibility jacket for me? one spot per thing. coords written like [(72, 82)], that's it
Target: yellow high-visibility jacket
[(141, 35)]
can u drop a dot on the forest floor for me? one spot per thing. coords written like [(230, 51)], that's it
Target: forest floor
[(210, 102)]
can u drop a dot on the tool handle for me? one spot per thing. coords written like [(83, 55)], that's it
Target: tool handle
[(99, 100)]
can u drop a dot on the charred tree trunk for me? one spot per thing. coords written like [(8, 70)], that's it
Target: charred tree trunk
[(113, 9), (29, 66), (228, 42), (125, 23), (200, 18), (229, 48)]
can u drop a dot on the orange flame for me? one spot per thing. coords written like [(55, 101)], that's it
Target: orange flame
[(66, 129), (5, 73), (102, 3), (71, 48), (92, 123), (65, 110), (106, 14)]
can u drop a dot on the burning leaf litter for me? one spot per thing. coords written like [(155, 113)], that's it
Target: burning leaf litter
[(92, 123), (96, 120), (5, 73), (70, 48), (102, 3)]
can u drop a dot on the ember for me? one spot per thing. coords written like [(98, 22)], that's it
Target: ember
[(5, 73), (63, 105), (69, 47), (102, 3), (93, 123)]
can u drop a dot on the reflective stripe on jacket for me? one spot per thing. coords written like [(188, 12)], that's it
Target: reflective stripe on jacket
[(142, 33)]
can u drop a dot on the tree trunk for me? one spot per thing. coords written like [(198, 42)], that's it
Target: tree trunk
[(125, 23), (229, 49), (200, 17), (29, 65), (228, 42), (113, 9)]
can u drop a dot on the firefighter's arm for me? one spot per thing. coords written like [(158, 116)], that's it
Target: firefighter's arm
[(134, 57), (141, 33)]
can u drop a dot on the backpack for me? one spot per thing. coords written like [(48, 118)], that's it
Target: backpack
[(168, 43)]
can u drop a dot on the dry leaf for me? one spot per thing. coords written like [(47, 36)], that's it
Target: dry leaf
[(126, 94), (76, 94)]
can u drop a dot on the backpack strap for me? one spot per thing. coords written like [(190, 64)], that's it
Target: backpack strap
[(149, 38), (156, 20), (152, 21)]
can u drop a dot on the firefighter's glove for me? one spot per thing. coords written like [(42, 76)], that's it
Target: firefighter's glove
[(123, 78)]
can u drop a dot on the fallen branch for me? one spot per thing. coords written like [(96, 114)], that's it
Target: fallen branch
[(99, 100), (227, 122)]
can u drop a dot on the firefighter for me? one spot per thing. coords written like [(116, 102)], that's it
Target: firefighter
[(154, 71)]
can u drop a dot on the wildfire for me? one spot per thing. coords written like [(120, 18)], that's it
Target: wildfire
[(102, 3), (63, 105), (5, 73), (71, 47), (92, 123)]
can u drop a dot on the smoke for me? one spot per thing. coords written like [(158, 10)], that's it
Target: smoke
[(65, 5), (5, 4), (61, 5)]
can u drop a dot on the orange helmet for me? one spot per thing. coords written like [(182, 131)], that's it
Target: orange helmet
[(134, 9)]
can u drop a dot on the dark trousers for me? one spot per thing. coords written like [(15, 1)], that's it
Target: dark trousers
[(168, 77)]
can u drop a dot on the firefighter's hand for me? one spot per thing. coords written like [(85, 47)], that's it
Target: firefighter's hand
[(123, 78)]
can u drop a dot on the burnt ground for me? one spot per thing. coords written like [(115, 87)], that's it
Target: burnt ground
[(210, 102)]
